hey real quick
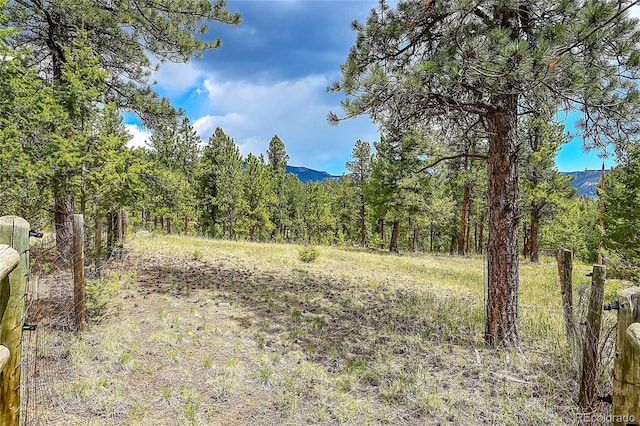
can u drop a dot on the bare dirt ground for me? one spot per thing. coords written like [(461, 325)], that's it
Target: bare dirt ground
[(214, 341)]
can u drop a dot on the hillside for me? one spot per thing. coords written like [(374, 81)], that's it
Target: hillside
[(586, 182), (309, 175)]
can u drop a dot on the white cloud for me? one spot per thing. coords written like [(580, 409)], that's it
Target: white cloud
[(139, 136), (177, 78), (252, 112), (206, 125)]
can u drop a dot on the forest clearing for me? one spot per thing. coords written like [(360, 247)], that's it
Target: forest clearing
[(196, 331), (414, 281)]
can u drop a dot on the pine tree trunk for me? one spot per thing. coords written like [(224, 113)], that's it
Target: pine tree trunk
[(431, 232), (481, 235), (363, 226), (534, 238), (395, 231), (186, 225), (453, 243), (98, 244), (110, 235), (98, 234), (468, 242), (64, 209), (230, 234), (475, 237), (502, 249), (168, 225), (382, 232), (120, 227), (466, 201)]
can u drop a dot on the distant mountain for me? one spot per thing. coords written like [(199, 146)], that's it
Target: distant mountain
[(586, 182), (309, 175)]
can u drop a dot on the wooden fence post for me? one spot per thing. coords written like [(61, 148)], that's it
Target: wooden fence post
[(565, 271), (587, 395), (9, 259), (626, 369), (78, 272), (14, 231)]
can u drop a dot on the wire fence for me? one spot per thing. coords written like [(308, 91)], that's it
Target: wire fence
[(49, 321)]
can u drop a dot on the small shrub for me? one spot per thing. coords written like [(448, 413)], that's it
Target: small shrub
[(308, 254), (196, 255), (100, 295)]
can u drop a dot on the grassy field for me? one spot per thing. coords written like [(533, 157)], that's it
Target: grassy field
[(203, 332)]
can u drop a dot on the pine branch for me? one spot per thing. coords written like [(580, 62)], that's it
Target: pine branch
[(452, 157)]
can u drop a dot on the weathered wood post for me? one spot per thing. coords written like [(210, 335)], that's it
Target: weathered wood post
[(78, 272), (587, 395), (9, 259), (626, 369), (14, 231), (565, 271)]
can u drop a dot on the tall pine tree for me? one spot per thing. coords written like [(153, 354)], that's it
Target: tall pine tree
[(433, 63)]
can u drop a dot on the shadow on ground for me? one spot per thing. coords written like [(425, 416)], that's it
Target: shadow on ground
[(334, 321)]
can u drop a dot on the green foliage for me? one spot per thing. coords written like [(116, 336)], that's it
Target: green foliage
[(277, 159), (196, 255), (319, 217), (258, 196), (308, 253), (220, 190), (622, 216), (574, 227), (100, 295), (360, 167), (126, 38)]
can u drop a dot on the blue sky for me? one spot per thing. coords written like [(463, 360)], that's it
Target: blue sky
[(270, 75)]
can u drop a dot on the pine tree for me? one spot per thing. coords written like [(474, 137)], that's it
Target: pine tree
[(295, 200), (622, 215), (277, 159), (360, 168), (544, 187), (220, 185), (123, 37), (258, 195), (25, 99), (438, 64), (173, 158), (320, 220)]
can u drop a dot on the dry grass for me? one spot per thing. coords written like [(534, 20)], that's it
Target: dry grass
[(235, 333)]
